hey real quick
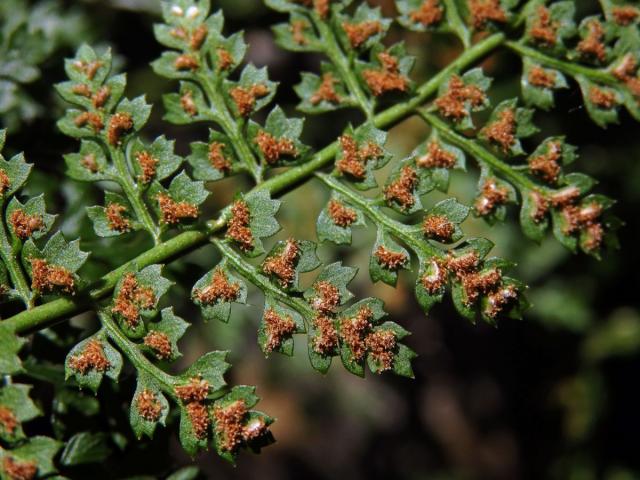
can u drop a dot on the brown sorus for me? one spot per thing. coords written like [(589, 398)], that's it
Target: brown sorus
[(436, 157), (131, 298), (429, 13), (354, 159), (199, 417), (592, 45), (327, 297), (401, 189), (238, 225), (174, 212), (354, 330), (278, 328), (326, 91), (119, 124), (298, 28), (245, 98), (565, 196), (148, 165), (8, 420), (88, 68), (625, 15), (178, 33), (195, 390), (546, 165), (229, 424), (626, 72), (219, 288), (453, 102), (388, 78), (484, 11), (321, 7), (225, 60), (25, 225), (594, 235), (603, 98), (101, 97), (499, 299), (188, 104), (217, 158), (381, 345), (325, 340), (89, 118), (160, 344), (5, 181), (438, 227), (81, 89), (540, 206), (92, 357), (502, 131), (282, 265), (341, 215), (539, 77), (18, 469), (148, 405), (186, 62), (46, 277), (117, 221), (89, 162), (544, 29), (463, 264), (490, 197), (389, 259), (436, 278), (198, 37), (358, 33), (475, 284), (273, 148)]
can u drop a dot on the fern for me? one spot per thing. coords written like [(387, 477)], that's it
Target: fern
[(154, 194)]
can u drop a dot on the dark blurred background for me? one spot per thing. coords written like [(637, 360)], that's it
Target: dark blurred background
[(553, 396)]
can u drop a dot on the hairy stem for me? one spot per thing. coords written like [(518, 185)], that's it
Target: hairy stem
[(50, 313)]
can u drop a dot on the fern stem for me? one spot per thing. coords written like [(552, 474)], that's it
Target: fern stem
[(572, 69), (482, 155), (52, 312), (133, 193), (251, 273), (379, 218), (18, 277)]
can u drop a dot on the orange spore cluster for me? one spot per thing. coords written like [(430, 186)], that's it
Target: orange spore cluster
[(81, 89), (8, 420), (540, 206), (502, 131), (245, 98), (429, 13), (115, 218), (132, 297), (401, 189), (186, 62), (25, 225), (327, 298), (19, 470), (5, 181), (198, 37), (148, 166), (625, 15), (219, 289), (89, 162), (326, 91), (225, 60), (238, 226), (491, 196), (544, 28), (94, 120), (354, 159), (92, 357), (358, 33), (148, 405), (119, 124), (381, 345), (546, 165), (298, 28), (353, 332), (321, 7), (88, 68), (438, 227), (198, 414), (341, 215), (603, 98), (101, 96), (435, 279), (195, 390), (273, 148), (453, 102), (283, 264), (626, 72), (193, 395), (46, 277), (388, 78), (539, 77), (174, 212), (484, 11), (278, 328), (436, 157), (217, 158), (592, 44), (389, 259), (325, 340), (159, 342), (232, 428), (188, 104)]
